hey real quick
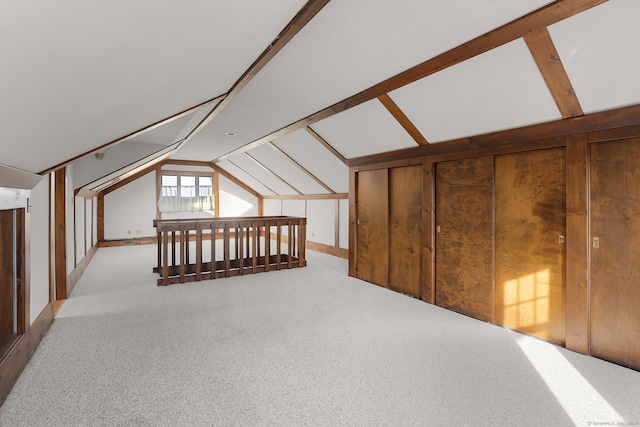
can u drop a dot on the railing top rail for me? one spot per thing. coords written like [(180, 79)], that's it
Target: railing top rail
[(223, 220)]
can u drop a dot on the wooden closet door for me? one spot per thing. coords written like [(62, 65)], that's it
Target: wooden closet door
[(530, 193), (405, 229), (464, 237), (372, 250), (615, 263)]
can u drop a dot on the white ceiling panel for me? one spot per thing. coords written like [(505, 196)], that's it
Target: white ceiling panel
[(90, 168), (75, 75), (166, 134), (500, 89), (260, 173), (209, 144), (364, 130), (287, 170), (304, 149), (599, 49), (352, 45), (245, 178)]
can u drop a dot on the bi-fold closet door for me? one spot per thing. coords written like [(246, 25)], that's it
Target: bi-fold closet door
[(500, 254), (389, 228)]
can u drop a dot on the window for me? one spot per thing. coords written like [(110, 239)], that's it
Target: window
[(186, 192)]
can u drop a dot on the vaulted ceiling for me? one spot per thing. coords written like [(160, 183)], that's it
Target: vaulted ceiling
[(281, 94)]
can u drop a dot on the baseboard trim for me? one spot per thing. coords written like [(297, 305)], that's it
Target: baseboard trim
[(327, 249), (12, 365), (77, 272), (128, 242)]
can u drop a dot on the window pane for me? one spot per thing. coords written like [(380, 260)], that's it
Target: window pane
[(187, 181), (204, 181), (187, 186), (205, 186), (169, 180)]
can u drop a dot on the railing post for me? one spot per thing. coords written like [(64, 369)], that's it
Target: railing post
[(302, 255), (254, 255), (159, 249), (165, 256), (227, 260), (198, 252), (213, 250), (290, 244), (240, 250), (278, 244), (173, 248), (181, 268), (267, 245)]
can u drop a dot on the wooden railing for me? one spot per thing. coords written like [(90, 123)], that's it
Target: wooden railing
[(225, 247)]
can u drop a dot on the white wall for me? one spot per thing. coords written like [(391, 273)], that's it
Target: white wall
[(272, 207), (235, 201), (39, 245), (79, 236), (321, 221), (130, 210), (70, 226), (88, 218), (344, 223)]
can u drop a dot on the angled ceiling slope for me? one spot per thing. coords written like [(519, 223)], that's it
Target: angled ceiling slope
[(77, 75)]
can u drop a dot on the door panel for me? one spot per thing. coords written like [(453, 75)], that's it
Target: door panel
[(530, 193), (405, 229), (372, 254), (464, 236), (615, 263)]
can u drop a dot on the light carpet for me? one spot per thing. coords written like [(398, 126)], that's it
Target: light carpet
[(308, 346)]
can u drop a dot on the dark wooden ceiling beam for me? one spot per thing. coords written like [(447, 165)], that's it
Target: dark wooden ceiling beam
[(402, 118), (235, 180), (535, 136), (555, 76), (302, 18), (326, 145), (302, 168), (543, 17)]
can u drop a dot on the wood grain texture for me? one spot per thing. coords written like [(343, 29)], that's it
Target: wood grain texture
[(615, 265), (464, 244), (402, 118), (577, 244), (405, 230), (372, 257), (532, 137), (428, 232), (555, 76), (60, 233), (530, 194), (12, 365), (353, 223), (7, 311)]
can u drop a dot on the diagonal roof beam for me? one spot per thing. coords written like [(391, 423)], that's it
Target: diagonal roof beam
[(325, 144), (402, 118), (235, 180), (253, 177), (302, 18), (543, 17), (555, 76), (262, 166), (302, 168)]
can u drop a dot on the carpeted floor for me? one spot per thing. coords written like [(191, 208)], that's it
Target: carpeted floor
[(307, 346)]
